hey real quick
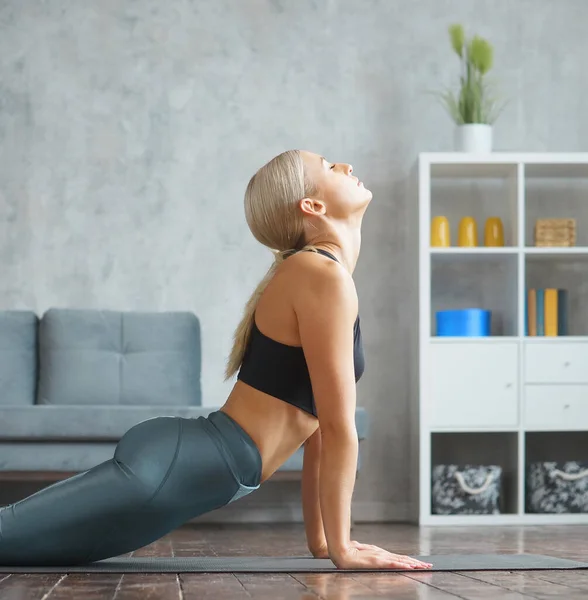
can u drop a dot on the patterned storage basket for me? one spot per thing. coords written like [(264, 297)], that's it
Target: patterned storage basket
[(467, 490), (557, 487)]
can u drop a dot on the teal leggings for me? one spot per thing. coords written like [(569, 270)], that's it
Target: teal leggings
[(165, 471)]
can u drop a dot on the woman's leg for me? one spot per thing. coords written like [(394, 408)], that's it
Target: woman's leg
[(165, 471)]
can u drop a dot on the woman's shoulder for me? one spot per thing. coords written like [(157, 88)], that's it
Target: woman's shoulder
[(315, 278)]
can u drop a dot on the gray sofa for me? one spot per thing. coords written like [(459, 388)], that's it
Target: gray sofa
[(73, 381)]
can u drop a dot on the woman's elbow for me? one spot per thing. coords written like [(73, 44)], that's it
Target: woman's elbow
[(338, 432)]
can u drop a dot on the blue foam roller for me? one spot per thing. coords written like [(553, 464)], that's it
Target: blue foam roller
[(466, 322)]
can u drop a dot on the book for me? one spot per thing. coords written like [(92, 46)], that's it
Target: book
[(562, 312), (546, 312), (532, 312), (540, 311), (550, 316)]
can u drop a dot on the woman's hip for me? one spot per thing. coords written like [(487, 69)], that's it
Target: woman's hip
[(205, 461)]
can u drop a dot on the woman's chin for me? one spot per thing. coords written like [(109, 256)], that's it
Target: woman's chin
[(365, 200)]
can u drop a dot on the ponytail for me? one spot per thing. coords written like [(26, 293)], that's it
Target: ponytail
[(243, 331)]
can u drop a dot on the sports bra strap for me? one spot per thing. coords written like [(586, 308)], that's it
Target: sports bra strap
[(325, 253)]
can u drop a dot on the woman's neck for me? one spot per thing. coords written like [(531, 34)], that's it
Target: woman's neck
[(344, 242)]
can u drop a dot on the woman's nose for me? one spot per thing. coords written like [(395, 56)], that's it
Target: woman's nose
[(348, 169)]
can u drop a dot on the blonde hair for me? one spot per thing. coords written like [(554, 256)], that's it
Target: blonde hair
[(273, 216)]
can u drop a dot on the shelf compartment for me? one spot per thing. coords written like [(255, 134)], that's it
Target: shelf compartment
[(485, 280), (556, 191), (479, 191), (558, 447), (488, 448), (562, 270)]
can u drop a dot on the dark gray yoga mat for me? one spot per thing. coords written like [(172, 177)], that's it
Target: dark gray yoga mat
[(301, 564)]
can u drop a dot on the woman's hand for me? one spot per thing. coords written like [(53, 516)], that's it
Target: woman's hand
[(367, 556)]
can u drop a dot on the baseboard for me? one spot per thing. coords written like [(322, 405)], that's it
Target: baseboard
[(380, 512), (362, 512)]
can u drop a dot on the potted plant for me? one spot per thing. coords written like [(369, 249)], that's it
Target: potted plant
[(472, 108)]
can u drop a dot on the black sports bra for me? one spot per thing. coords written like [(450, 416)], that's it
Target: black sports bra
[(281, 371)]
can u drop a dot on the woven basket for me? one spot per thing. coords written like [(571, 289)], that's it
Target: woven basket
[(555, 232)]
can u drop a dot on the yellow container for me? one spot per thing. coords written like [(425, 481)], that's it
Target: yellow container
[(467, 233), (440, 235), (493, 232)]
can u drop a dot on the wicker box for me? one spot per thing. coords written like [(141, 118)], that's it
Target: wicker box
[(555, 232)]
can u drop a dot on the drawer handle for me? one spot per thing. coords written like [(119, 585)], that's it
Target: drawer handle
[(466, 488), (571, 476), (508, 386), (567, 363)]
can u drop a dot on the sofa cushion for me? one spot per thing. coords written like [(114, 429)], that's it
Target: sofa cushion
[(18, 357), (99, 423), (103, 357)]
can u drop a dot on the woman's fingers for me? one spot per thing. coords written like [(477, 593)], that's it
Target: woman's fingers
[(407, 561), (402, 560), (370, 556), (414, 561)]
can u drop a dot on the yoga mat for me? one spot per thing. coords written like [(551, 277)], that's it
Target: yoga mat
[(302, 564)]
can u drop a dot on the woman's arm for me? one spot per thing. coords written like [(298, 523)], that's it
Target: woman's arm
[(326, 309), (311, 509)]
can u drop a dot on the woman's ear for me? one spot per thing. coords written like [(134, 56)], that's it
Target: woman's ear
[(312, 207)]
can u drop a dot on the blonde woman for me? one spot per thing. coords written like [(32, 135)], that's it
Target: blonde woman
[(297, 354)]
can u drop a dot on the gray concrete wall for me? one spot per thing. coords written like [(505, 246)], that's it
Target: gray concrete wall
[(128, 132)]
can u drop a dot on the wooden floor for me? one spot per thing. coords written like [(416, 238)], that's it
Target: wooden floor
[(232, 540)]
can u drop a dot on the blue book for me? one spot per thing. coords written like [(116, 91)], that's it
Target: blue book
[(562, 312), (526, 312), (540, 311)]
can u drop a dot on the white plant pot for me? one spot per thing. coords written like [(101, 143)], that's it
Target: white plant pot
[(475, 137)]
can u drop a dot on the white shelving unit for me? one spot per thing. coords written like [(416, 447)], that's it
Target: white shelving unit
[(505, 399)]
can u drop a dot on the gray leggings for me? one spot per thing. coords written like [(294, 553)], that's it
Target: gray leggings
[(165, 471)]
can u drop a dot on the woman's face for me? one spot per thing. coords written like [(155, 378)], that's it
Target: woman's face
[(341, 193)]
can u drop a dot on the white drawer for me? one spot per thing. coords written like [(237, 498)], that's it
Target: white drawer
[(556, 407), (473, 385), (556, 362)]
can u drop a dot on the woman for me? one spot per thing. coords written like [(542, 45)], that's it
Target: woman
[(297, 353)]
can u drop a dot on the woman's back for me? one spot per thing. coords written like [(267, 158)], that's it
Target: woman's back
[(272, 399)]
